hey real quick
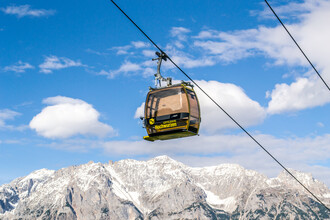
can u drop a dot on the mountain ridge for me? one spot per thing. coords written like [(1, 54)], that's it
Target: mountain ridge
[(160, 188)]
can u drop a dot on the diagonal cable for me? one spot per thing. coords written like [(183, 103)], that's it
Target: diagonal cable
[(240, 126), (298, 46)]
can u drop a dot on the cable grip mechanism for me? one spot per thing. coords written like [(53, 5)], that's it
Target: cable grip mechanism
[(158, 76)]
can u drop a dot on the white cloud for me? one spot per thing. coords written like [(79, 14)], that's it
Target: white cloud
[(18, 67), (125, 68), (147, 72), (186, 60), (122, 50), (292, 9), (240, 149), (66, 117), (232, 46), (129, 67), (26, 10), (140, 44), (180, 33), (213, 145), (6, 114), (183, 59), (73, 144), (140, 111), (125, 50), (234, 100), (55, 63), (149, 53), (302, 94), (207, 34), (178, 44), (108, 74)]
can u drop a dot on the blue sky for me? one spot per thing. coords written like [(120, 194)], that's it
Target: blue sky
[(74, 75)]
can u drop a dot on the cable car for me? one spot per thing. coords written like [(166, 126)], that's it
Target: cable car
[(171, 112)]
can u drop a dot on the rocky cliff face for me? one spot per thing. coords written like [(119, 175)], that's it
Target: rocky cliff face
[(160, 188)]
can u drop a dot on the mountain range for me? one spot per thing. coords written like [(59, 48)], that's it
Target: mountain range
[(161, 188)]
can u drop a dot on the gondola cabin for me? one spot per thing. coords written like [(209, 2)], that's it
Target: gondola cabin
[(171, 112)]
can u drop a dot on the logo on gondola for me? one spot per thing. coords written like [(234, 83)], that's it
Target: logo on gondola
[(166, 124), (152, 121)]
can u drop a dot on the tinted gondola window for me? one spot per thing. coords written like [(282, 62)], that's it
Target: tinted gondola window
[(194, 109), (167, 101)]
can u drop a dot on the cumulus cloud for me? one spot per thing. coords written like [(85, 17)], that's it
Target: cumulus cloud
[(65, 117), (26, 10), (234, 100), (140, 111), (55, 63), (19, 67), (301, 94)]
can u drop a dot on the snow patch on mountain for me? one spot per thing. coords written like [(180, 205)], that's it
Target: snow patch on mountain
[(227, 204), (39, 175)]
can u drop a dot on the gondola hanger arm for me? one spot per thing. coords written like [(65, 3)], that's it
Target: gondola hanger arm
[(158, 76)]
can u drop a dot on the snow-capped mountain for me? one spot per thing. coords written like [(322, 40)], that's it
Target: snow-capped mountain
[(160, 188)]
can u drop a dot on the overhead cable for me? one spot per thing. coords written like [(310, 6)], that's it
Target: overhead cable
[(240, 126), (298, 46)]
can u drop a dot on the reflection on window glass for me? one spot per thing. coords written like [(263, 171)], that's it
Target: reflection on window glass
[(167, 101), (194, 109)]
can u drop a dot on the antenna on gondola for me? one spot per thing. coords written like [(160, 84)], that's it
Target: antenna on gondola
[(158, 76)]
